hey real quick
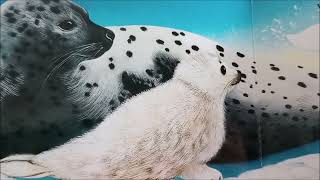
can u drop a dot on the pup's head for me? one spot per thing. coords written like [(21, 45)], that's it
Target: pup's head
[(208, 73)]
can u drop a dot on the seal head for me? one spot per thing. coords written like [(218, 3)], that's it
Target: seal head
[(40, 41)]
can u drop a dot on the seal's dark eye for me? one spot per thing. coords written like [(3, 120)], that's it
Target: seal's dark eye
[(223, 70), (67, 25)]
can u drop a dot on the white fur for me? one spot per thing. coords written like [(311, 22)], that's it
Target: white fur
[(200, 171), (159, 134)]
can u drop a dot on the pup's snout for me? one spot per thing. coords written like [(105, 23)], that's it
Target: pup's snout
[(237, 79)]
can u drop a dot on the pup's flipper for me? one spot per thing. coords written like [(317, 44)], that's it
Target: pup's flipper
[(22, 166), (201, 171)]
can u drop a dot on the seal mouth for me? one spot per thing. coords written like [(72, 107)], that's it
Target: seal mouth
[(236, 80)]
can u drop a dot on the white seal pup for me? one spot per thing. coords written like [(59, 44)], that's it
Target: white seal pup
[(168, 131)]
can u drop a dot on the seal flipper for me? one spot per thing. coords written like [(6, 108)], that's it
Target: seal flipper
[(22, 166)]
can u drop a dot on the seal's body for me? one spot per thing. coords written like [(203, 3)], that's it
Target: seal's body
[(158, 134)]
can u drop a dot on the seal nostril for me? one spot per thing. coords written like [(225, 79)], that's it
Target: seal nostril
[(108, 37), (82, 68), (237, 79)]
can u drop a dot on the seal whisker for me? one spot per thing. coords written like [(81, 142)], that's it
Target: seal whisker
[(80, 48), (60, 64)]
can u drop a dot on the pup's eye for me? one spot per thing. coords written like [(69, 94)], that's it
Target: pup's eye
[(223, 70), (67, 25)]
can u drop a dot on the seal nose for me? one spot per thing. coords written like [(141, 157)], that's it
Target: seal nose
[(101, 34), (237, 79)]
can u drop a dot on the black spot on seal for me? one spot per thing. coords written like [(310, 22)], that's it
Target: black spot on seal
[(30, 8), (129, 54), (132, 37), (178, 42), (288, 106), (195, 48), (302, 84), (36, 22), (275, 68), (111, 66), (143, 28), (315, 76), (240, 54), (55, 9), (235, 64), (159, 41), (220, 48), (175, 33), (133, 83), (165, 65)]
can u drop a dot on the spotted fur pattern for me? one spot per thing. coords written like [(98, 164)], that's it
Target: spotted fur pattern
[(259, 110)]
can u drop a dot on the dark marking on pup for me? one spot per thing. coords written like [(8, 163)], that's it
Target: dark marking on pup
[(315, 76), (129, 54), (175, 33), (150, 72), (143, 28), (111, 66), (134, 84), (132, 37), (178, 42), (30, 8), (240, 55), (235, 64), (159, 41), (302, 84), (165, 65), (195, 48)]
